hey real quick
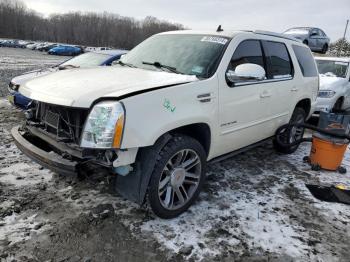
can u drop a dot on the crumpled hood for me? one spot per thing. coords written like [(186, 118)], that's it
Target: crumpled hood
[(21, 79), (331, 82), (80, 88)]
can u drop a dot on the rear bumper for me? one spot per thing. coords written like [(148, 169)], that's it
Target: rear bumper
[(47, 159)]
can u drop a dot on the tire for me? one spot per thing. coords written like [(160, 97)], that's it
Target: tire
[(324, 49), (305, 42), (171, 192), (337, 106), (298, 116)]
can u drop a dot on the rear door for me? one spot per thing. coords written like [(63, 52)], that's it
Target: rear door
[(281, 84), (313, 39)]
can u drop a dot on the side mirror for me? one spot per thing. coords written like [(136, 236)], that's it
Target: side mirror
[(246, 73)]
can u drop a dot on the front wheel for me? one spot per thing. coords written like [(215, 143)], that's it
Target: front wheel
[(178, 176), (295, 134)]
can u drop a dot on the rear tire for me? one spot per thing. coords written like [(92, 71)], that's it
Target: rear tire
[(298, 116), (177, 177), (324, 49)]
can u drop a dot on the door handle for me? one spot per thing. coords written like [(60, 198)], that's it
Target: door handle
[(294, 89), (265, 94)]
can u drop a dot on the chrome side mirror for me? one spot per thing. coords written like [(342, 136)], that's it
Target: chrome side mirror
[(246, 73)]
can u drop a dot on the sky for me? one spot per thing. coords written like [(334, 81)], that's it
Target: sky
[(271, 15)]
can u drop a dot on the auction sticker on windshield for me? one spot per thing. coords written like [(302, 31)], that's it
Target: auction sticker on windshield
[(214, 39)]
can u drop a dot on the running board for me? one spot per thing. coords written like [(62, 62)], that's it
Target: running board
[(239, 151)]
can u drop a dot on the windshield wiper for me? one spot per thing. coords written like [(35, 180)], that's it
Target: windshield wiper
[(119, 62), (159, 65)]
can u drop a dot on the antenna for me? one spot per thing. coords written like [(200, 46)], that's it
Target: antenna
[(219, 29)]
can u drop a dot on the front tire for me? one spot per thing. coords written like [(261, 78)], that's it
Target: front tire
[(299, 117), (178, 177), (338, 106)]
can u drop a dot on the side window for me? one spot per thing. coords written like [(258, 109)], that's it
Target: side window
[(306, 61), (278, 62), (314, 32), (248, 51)]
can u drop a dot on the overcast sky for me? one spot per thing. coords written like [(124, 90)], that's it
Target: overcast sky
[(272, 15)]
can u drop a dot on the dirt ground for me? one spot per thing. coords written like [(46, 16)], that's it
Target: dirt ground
[(254, 207)]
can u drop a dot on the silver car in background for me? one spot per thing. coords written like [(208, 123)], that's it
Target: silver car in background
[(315, 38)]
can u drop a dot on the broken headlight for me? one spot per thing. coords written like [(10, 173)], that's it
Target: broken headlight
[(104, 126)]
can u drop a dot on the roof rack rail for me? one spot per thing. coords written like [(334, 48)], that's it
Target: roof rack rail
[(276, 35)]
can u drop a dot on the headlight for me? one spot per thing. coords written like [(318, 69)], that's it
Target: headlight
[(104, 126), (326, 93)]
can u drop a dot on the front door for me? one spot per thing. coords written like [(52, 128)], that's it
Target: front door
[(243, 106)]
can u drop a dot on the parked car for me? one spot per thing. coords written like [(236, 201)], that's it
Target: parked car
[(32, 46), (91, 59), (47, 47), (334, 93), (174, 102), (65, 50), (315, 38)]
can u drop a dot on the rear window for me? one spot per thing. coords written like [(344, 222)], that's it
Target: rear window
[(306, 61), (279, 64)]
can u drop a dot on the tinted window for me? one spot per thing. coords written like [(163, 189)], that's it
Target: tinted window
[(248, 51), (278, 60), (306, 61)]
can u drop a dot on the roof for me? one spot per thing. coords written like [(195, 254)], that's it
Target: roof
[(111, 52), (329, 58), (231, 33)]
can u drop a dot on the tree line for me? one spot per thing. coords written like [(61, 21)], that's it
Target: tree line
[(340, 47), (88, 29)]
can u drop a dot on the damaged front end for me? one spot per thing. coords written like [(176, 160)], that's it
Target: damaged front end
[(53, 137)]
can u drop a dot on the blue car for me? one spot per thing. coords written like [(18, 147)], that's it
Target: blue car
[(65, 50), (90, 59)]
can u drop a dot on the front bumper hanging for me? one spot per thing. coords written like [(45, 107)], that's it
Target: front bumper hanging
[(48, 159)]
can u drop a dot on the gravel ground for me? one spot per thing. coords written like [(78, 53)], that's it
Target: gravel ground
[(254, 207)]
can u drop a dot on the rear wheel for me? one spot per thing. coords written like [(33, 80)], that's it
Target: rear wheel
[(295, 134), (324, 49), (177, 177)]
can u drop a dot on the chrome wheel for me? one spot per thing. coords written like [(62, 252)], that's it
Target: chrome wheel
[(297, 132), (179, 179)]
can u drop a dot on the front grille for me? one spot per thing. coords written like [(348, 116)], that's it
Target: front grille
[(65, 123)]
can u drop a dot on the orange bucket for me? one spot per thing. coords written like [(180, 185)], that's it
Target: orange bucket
[(328, 154)]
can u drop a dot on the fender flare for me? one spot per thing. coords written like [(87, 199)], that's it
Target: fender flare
[(134, 185)]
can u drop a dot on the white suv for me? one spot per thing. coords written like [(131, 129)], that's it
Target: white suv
[(334, 94), (173, 103)]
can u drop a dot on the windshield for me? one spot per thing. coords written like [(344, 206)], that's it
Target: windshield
[(297, 31), (186, 54), (86, 60), (332, 68)]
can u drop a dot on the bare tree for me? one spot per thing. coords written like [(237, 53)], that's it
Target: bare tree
[(88, 29)]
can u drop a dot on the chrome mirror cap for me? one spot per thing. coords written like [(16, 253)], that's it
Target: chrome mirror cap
[(246, 72)]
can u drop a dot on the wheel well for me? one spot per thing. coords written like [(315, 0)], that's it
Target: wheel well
[(305, 104), (305, 42), (199, 131)]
